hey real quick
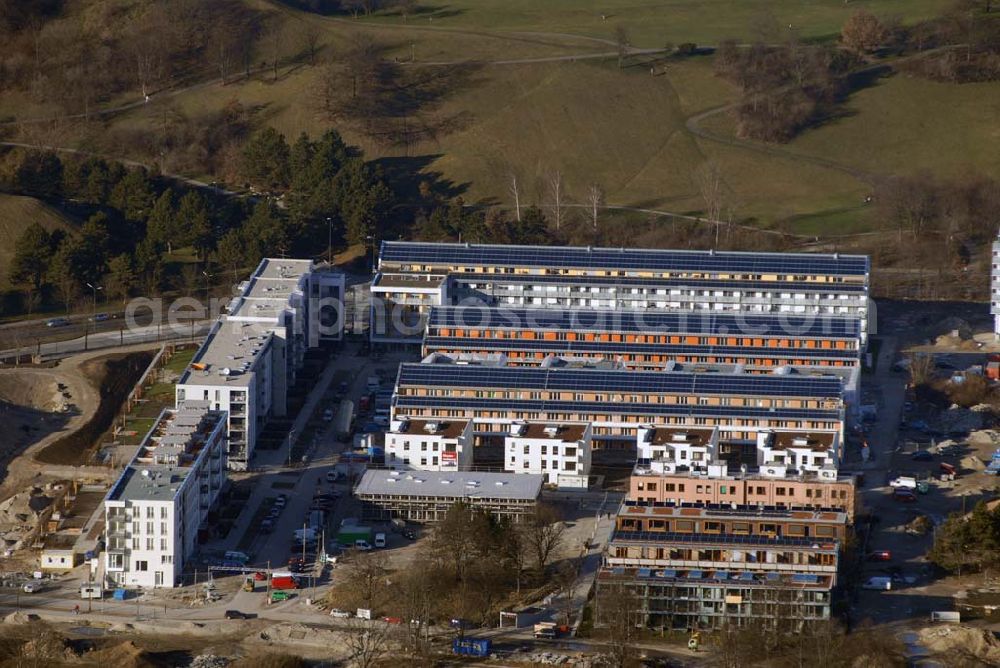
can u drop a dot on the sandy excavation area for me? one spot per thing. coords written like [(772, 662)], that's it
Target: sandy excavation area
[(36, 403)]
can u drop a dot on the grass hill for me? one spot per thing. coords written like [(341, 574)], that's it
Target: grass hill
[(547, 95), (16, 213)]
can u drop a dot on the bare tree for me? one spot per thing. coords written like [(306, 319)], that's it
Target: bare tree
[(617, 612), (310, 37), (516, 194), (366, 575), (595, 197), (709, 181), (622, 42), (921, 368), (565, 580), (275, 45), (367, 642), (556, 188), (544, 534), (226, 50)]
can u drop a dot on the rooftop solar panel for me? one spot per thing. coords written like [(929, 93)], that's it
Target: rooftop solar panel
[(644, 412), (422, 253), (463, 282), (624, 382), (645, 321), (446, 343)]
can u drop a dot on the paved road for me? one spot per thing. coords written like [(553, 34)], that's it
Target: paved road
[(113, 339)]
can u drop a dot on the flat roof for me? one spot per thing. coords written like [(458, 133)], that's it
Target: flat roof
[(645, 412), (816, 441), (457, 345), (158, 469), (547, 257), (624, 382), (408, 280), (567, 432), (228, 354), (680, 436), (742, 287), (283, 268), (442, 428), (647, 321), (710, 510), (455, 485)]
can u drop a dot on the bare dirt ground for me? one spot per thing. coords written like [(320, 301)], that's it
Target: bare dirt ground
[(31, 406)]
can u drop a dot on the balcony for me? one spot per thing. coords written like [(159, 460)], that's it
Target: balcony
[(750, 567)]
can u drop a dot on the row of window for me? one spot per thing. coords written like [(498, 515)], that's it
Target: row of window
[(746, 342), (751, 490)]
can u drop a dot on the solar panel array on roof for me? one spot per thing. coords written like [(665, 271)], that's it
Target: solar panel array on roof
[(463, 280), (543, 257), (625, 382), (444, 343), (646, 321), (404, 406), (726, 539)]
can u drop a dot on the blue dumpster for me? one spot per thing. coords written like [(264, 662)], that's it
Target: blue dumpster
[(121, 594)]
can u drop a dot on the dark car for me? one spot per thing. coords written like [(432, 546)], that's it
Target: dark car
[(922, 456), (904, 495), (880, 555), (236, 614), (409, 534)]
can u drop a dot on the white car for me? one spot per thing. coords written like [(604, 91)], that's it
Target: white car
[(340, 614), (903, 482), (31, 587), (328, 415), (362, 545)]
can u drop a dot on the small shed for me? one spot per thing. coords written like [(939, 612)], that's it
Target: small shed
[(520, 619), (58, 554)]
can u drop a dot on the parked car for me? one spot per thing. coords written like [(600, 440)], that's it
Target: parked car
[(57, 322), (267, 526), (260, 576), (878, 583), (328, 415), (281, 500), (236, 614), (904, 495), (362, 545), (392, 620), (340, 614), (922, 456), (31, 587), (331, 476), (880, 555), (100, 317), (409, 534)]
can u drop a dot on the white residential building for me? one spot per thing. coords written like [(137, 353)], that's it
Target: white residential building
[(560, 452), (252, 355), (678, 448), (154, 510), (791, 453), (429, 445), (413, 276), (995, 286)]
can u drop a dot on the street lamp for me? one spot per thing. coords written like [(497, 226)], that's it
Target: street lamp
[(371, 239), (93, 315), (329, 239)]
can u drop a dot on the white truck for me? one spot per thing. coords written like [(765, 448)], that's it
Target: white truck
[(903, 482)]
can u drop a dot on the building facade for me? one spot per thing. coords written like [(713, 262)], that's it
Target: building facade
[(154, 510), (559, 452), (995, 286), (251, 356), (644, 340), (616, 403), (613, 278), (426, 496), (429, 445)]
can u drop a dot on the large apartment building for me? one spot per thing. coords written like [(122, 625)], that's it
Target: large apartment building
[(252, 354), (702, 567), (644, 339), (616, 403), (412, 277), (153, 512), (995, 286)]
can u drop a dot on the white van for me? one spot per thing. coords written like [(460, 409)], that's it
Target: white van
[(380, 540), (362, 545), (903, 482)]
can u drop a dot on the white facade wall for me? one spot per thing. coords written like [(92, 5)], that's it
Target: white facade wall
[(548, 456), (676, 452), (149, 540), (405, 451), (995, 287)]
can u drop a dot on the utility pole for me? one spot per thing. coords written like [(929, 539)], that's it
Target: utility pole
[(93, 316), (329, 239)]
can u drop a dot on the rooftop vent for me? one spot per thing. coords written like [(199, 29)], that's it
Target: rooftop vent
[(432, 427)]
